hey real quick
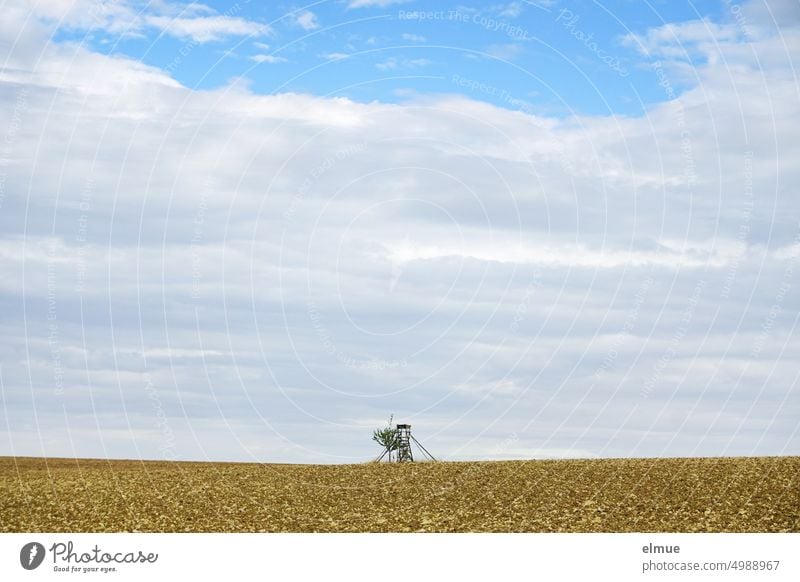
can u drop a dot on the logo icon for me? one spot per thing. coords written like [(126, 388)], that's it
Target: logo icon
[(31, 555)]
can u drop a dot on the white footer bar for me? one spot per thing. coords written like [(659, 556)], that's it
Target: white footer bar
[(413, 557)]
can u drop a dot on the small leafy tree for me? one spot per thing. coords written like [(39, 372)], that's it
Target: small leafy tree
[(386, 437)]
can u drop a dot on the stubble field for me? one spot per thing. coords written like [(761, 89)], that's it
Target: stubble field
[(612, 495)]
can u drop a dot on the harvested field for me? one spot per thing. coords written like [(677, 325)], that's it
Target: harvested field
[(612, 495)]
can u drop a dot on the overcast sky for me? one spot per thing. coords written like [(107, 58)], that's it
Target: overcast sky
[(529, 229)]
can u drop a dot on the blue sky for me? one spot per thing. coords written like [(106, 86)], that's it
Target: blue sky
[(547, 56), (253, 231)]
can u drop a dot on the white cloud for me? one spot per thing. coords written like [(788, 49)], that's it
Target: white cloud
[(564, 254), (540, 3), (769, 14), (207, 28), (306, 20), (506, 52), (174, 353), (334, 56), (389, 64), (194, 21), (370, 3), (510, 10), (683, 40), (393, 63), (270, 59), (499, 389), (413, 37)]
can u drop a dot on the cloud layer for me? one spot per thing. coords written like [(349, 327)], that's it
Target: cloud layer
[(228, 275)]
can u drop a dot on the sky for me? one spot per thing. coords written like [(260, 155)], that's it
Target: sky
[(253, 231)]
